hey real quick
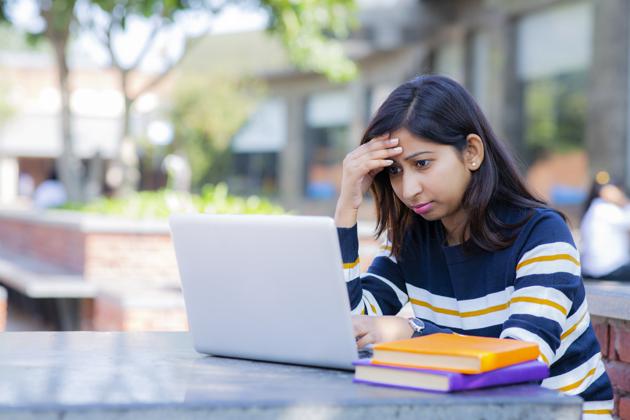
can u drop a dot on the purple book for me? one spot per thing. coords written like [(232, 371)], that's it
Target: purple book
[(443, 381)]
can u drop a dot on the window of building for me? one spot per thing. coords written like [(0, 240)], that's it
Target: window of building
[(326, 143), (479, 80), (255, 173), (256, 150), (449, 60), (553, 60)]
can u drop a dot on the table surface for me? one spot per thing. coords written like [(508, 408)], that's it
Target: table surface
[(96, 370)]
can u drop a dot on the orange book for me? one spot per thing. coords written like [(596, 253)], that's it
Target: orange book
[(454, 352)]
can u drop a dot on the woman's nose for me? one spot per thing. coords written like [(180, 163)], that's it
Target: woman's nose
[(412, 187)]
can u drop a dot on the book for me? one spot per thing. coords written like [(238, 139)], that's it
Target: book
[(445, 381), (454, 352)]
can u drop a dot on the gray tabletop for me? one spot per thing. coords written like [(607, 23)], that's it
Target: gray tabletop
[(158, 375)]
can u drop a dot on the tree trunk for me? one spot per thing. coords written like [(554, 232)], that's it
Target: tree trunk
[(68, 165), (127, 155)]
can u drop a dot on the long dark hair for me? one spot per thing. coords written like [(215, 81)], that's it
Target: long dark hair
[(439, 109)]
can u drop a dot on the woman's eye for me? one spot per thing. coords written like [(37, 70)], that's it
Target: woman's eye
[(422, 163), (393, 170)]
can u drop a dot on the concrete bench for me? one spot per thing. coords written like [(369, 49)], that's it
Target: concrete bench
[(37, 280)]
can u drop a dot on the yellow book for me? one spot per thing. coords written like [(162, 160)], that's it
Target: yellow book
[(455, 353)]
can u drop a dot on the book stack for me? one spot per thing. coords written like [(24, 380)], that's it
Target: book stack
[(451, 362)]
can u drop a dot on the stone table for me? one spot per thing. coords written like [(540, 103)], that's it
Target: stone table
[(97, 375)]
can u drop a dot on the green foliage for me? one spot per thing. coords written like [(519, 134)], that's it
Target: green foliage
[(160, 204), (308, 29), (555, 114), (206, 113), (121, 10), (6, 110)]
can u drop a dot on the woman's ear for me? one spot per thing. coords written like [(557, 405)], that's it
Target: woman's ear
[(474, 152)]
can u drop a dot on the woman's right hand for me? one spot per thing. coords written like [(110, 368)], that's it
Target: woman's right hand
[(359, 169)]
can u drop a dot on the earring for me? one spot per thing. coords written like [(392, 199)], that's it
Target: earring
[(474, 164)]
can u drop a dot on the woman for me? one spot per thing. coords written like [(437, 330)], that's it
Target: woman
[(471, 249)]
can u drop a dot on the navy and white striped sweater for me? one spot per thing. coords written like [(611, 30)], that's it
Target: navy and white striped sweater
[(530, 291)]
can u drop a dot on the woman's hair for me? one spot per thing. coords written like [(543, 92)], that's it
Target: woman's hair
[(600, 180), (440, 110)]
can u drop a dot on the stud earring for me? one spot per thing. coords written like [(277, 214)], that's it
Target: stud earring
[(474, 164)]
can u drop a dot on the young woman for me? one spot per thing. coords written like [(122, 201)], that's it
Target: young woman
[(605, 231), (467, 245)]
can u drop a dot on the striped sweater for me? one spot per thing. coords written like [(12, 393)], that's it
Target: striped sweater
[(530, 291)]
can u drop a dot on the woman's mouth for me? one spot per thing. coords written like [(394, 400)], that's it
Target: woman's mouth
[(423, 208)]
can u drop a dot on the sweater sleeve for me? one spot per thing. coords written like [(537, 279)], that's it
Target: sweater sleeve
[(380, 291), (548, 289)]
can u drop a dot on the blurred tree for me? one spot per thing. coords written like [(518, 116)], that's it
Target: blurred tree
[(206, 113), (555, 114), (56, 21), (6, 110), (309, 30)]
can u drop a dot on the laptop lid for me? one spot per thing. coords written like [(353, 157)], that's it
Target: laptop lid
[(265, 287)]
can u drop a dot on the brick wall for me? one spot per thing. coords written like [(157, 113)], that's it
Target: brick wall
[(49, 243), (123, 262), (130, 259), (119, 260), (614, 338), (105, 258), (140, 311)]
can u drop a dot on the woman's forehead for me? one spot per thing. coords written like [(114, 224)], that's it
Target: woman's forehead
[(410, 140)]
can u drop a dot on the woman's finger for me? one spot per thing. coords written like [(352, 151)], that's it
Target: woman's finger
[(377, 143), (359, 325), (365, 340), (383, 153), (372, 165), (375, 172)]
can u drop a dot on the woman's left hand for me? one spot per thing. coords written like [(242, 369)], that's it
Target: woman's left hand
[(377, 329)]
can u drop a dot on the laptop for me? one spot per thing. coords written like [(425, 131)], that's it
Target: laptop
[(267, 288)]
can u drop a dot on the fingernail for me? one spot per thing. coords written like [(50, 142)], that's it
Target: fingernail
[(393, 141), (389, 162), (397, 149)]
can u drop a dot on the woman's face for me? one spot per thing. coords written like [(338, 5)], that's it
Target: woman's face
[(430, 178)]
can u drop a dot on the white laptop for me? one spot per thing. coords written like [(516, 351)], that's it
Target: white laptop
[(265, 287)]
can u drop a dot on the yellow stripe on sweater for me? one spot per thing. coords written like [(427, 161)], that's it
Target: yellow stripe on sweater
[(542, 258), (540, 302), (457, 313), (352, 264), (602, 411), (570, 330), (577, 383), (489, 309), (544, 359)]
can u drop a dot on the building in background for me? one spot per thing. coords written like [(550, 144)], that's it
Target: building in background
[(552, 77), (30, 140)]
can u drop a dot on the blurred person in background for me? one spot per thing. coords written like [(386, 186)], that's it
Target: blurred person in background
[(605, 231), (50, 193)]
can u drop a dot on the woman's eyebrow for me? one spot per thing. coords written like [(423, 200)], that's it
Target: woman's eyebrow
[(416, 154)]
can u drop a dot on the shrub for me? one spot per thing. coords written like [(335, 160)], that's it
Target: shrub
[(160, 204)]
